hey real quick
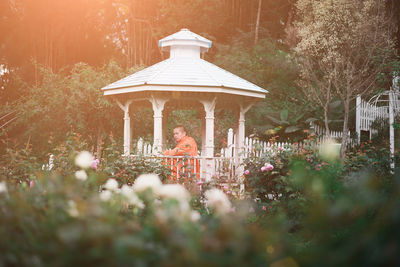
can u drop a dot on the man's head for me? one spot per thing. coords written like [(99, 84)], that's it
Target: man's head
[(179, 133)]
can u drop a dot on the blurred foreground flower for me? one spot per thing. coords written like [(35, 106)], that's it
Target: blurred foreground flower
[(330, 150), (84, 160), (105, 195), (111, 184), (175, 191), (81, 175), (72, 209), (3, 187), (217, 200), (195, 216), (147, 181), (132, 198)]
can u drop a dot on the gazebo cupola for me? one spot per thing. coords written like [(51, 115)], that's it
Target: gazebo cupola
[(185, 81), (184, 44)]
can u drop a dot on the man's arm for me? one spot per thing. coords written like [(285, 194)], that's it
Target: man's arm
[(185, 148)]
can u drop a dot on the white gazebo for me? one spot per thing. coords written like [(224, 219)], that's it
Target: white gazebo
[(185, 81)]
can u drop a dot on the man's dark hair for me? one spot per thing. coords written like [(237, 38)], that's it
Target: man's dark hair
[(181, 128)]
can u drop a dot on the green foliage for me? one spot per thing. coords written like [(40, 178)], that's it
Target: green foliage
[(18, 165), (67, 101), (371, 156), (126, 169), (271, 67), (320, 214), (264, 184), (63, 221)]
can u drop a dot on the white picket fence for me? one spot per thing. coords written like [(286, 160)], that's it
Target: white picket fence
[(366, 113), (255, 147)]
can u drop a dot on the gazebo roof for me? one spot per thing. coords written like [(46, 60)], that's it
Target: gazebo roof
[(184, 37), (185, 71)]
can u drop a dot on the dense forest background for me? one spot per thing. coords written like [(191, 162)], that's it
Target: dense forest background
[(56, 55)]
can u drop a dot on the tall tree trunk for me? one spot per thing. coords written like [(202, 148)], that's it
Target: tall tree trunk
[(343, 149), (257, 22), (326, 110), (326, 121)]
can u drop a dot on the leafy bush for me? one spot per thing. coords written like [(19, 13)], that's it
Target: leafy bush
[(18, 165), (372, 156), (265, 176), (324, 216), (62, 221)]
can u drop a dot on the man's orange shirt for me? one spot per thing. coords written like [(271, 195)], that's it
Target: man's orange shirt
[(186, 146)]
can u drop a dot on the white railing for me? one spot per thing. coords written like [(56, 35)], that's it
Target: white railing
[(366, 113), (226, 163)]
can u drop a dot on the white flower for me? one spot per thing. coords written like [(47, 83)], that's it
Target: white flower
[(81, 175), (111, 184), (72, 210), (195, 216), (217, 200), (330, 150), (133, 199), (161, 215), (105, 195), (3, 187), (84, 160), (126, 190), (147, 181), (175, 191)]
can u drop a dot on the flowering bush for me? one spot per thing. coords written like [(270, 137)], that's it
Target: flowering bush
[(67, 220), (265, 176), (127, 169)]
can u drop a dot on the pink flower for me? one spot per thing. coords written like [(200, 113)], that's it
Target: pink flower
[(31, 183), (318, 167), (269, 167), (225, 187), (264, 208), (280, 148), (199, 183), (95, 163), (228, 192), (246, 172), (263, 168), (251, 209)]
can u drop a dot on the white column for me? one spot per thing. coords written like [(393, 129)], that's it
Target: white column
[(229, 151), (158, 107), (127, 126), (358, 118), (208, 153), (241, 132), (241, 127), (203, 134), (163, 134), (391, 136)]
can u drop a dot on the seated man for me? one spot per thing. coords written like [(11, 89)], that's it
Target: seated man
[(186, 146)]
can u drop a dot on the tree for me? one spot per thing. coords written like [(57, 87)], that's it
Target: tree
[(344, 47), (66, 101), (271, 67)]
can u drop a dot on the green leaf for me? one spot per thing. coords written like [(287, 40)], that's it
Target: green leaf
[(291, 129), (284, 114)]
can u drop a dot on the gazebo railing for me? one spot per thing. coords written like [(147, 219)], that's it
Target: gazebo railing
[(225, 169)]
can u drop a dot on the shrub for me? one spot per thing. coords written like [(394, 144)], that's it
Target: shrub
[(265, 176)]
